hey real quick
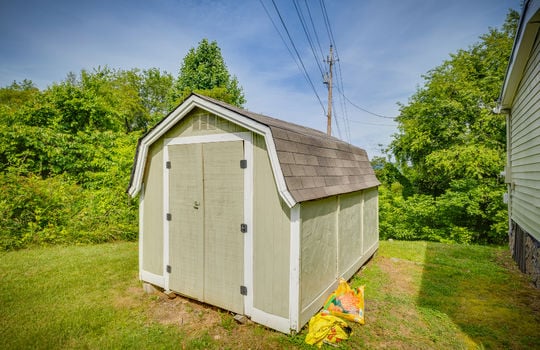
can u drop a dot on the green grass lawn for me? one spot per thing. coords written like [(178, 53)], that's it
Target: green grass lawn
[(419, 295)]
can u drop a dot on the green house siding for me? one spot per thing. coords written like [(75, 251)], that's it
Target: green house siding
[(152, 239), (524, 154), (271, 237)]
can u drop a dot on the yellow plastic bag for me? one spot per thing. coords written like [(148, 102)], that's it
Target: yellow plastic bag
[(327, 329), (346, 303)]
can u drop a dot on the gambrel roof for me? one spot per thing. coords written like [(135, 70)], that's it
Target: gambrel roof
[(307, 163)]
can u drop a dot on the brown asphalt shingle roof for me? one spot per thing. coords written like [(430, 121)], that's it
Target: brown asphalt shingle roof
[(314, 164)]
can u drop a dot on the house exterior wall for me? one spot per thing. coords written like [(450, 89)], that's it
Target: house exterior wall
[(271, 238), (523, 170)]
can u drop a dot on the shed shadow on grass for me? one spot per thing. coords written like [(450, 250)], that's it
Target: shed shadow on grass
[(482, 293)]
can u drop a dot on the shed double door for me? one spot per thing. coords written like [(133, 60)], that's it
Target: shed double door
[(206, 203)]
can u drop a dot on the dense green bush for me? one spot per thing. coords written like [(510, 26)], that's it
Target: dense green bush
[(465, 213), (56, 210)]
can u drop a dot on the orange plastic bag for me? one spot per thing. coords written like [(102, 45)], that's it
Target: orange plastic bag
[(346, 303)]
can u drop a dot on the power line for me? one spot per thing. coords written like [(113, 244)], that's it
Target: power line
[(310, 41), (363, 109), (313, 27), (298, 55), (277, 30)]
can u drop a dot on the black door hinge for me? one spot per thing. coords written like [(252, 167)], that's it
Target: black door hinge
[(243, 164), (169, 217), (243, 228), (169, 269), (168, 165), (243, 290)]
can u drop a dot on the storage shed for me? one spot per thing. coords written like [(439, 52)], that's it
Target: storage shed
[(250, 213), (520, 101)]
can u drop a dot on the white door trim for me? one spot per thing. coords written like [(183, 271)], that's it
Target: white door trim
[(248, 203)]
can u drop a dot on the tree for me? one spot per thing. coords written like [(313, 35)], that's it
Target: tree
[(451, 148), (448, 131), (204, 71)]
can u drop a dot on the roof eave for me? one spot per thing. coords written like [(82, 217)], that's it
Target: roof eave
[(523, 44)]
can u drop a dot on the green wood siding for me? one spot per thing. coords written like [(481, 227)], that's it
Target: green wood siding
[(318, 248), (350, 229), (338, 235), (153, 211), (370, 218), (524, 150), (200, 122), (271, 238)]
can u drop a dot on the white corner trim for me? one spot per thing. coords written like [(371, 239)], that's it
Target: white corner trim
[(141, 230), (273, 321), (152, 278), (294, 269), (248, 220), (165, 211)]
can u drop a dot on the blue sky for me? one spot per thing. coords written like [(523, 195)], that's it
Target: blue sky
[(384, 47)]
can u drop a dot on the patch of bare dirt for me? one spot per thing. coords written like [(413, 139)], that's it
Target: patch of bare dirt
[(195, 318)]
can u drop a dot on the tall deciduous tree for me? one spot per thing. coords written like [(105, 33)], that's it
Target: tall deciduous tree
[(448, 131), (204, 71), (451, 148)]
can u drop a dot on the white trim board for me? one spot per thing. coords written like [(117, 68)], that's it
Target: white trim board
[(294, 269), (152, 278)]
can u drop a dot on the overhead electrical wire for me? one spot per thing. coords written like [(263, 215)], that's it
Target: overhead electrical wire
[(314, 30), (279, 32), (314, 42), (298, 55), (365, 110), (310, 41)]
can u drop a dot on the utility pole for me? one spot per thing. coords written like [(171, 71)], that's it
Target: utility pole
[(328, 81)]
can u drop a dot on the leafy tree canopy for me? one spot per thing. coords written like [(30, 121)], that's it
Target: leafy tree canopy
[(448, 131), (204, 71), (450, 149)]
